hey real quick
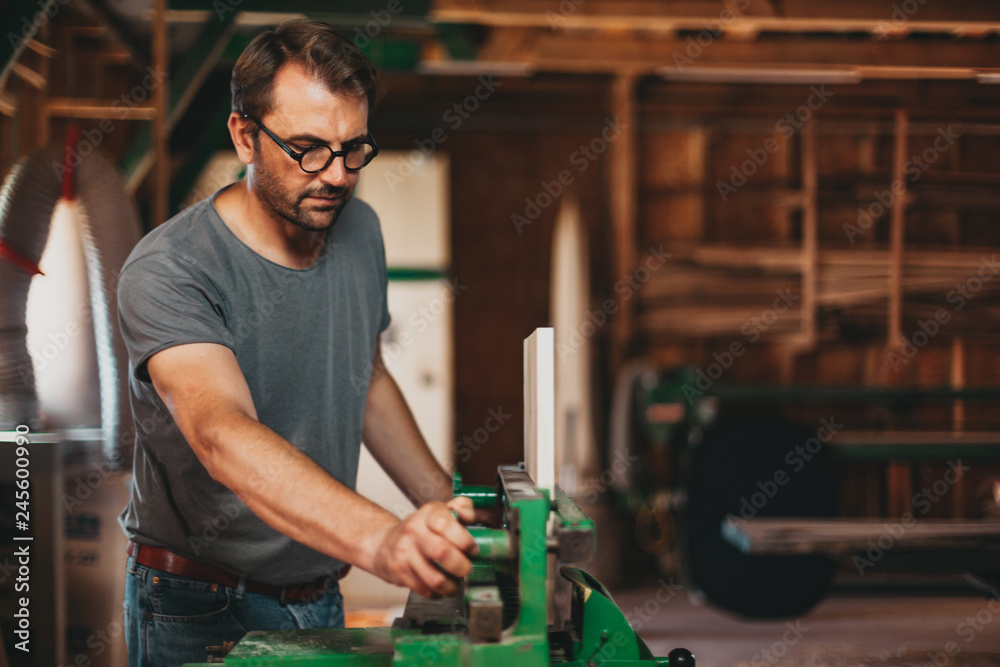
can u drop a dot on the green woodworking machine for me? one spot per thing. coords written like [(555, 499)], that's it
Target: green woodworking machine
[(512, 608)]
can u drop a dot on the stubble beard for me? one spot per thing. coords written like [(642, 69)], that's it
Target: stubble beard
[(290, 206)]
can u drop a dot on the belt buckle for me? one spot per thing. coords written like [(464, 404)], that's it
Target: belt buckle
[(283, 596)]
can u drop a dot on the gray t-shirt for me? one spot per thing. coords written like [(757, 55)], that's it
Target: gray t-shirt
[(304, 340)]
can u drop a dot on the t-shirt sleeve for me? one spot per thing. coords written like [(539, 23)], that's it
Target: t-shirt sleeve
[(164, 301), (384, 277)]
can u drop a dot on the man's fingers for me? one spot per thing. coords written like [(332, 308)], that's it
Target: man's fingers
[(446, 555), (433, 580), (462, 505), (490, 517), (444, 524)]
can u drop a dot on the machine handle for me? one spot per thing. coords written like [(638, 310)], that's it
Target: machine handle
[(494, 543)]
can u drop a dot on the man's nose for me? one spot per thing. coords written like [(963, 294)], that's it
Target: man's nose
[(335, 173)]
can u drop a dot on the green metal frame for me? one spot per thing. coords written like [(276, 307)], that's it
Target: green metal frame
[(431, 634)]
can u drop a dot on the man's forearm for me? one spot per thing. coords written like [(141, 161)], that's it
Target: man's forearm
[(291, 493), (393, 437)]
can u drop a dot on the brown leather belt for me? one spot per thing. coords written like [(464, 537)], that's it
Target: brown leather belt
[(158, 558)]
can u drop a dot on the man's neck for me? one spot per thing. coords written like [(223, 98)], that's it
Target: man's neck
[(267, 234)]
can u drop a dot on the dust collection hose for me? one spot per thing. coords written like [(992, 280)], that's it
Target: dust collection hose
[(109, 229)]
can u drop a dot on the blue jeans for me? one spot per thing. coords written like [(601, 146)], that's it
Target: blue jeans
[(169, 620)]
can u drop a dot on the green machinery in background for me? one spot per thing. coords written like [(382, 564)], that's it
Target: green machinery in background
[(727, 474), (511, 610)]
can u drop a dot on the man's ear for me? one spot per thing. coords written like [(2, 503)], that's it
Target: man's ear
[(240, 129)]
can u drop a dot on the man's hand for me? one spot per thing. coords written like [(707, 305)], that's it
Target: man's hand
[(429, 549)]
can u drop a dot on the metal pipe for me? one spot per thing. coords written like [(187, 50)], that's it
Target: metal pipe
[(494, 543)]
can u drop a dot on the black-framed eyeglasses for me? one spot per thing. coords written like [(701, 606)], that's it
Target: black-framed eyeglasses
[(316, 158)]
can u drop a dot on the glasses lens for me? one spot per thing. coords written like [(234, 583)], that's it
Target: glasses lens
[(316, 158), (359, 155)]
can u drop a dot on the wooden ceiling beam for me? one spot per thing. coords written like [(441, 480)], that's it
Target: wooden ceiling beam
[(570, 52), (741, 18), (916, 10)]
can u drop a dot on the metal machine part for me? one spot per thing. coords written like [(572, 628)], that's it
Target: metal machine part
[(502, 615)]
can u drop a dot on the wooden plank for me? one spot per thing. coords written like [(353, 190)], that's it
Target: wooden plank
[(161, 145), (845, 537), (917, 445), (788, 259), (810, 234), (29, 76), (574, 51), (898, 212), (539, 408), (671, 16), (623, 186), (85, 107), (957, 382)]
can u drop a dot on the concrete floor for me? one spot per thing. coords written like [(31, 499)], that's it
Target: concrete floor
[(843, 630)]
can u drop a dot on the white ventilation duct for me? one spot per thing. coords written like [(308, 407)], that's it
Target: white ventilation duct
[(107, 227)]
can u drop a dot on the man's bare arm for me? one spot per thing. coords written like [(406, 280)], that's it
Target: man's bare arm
[(392, 436), (207, 395)]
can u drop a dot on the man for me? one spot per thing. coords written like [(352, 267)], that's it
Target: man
[(248, 318)]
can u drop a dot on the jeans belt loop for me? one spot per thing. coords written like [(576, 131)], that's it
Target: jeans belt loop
[(283, 597)]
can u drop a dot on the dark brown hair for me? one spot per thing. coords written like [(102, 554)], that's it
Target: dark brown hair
[(328, 56)]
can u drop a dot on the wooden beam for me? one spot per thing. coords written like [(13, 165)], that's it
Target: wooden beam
[(574, 51), (88, 107), (623, 186), (897, 222), (702, 17), (119, 31), (41, 49), (161, 145), (958, 418), (198, 63), (8, 104), (29, 76), (810, 233)]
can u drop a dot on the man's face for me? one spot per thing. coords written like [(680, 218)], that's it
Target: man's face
[(306, 113)]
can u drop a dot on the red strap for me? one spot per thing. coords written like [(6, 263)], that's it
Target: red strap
[(18, 260), (68, 187)]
